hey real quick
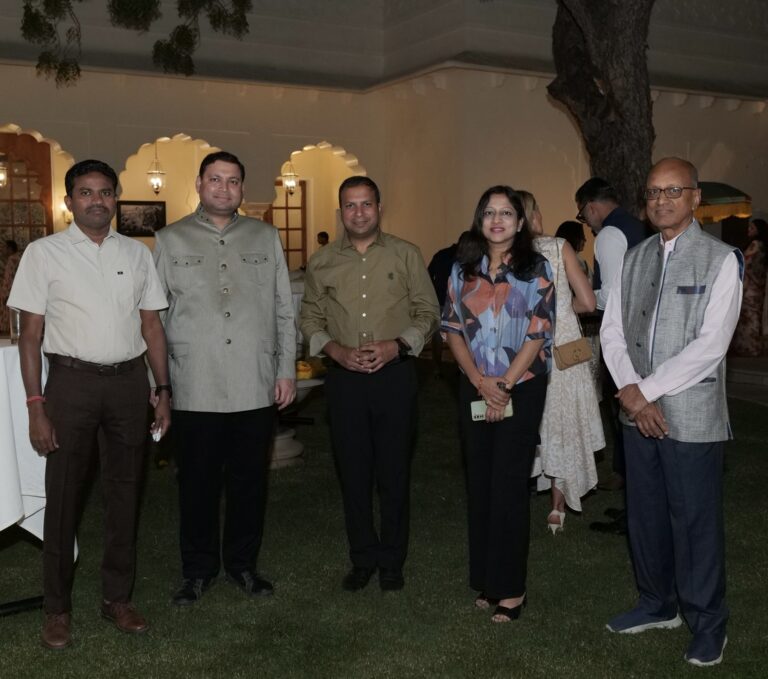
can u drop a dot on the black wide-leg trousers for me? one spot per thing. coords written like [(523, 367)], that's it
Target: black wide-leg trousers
[(499, 456)]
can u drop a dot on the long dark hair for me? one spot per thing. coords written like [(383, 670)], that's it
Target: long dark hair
[(473, 246)]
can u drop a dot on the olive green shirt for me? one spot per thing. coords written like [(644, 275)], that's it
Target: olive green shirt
[(230, 321), (386, 291)]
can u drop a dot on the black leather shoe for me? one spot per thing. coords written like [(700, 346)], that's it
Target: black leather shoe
[(391, 580), (357, 578), (191, 590), (251, 583)]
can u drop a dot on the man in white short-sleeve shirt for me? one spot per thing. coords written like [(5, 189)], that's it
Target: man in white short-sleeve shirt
[(98, 294)]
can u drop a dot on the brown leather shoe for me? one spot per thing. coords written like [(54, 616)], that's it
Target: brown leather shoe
[(124, 616), (57, 631)]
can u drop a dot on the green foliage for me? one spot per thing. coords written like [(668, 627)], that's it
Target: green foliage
[(138, 15), (39, 25), (60, 59)]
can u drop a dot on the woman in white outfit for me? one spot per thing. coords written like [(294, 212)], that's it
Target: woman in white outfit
[(571, 428)]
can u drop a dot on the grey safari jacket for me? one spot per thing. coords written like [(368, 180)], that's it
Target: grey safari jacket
[(230, 320)]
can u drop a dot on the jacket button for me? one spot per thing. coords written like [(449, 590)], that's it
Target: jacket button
[(223, 267), (227, 314), (229, 341), (221, 242), (225, 291)]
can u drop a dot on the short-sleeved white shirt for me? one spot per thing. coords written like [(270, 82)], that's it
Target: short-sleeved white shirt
[(89, 294)]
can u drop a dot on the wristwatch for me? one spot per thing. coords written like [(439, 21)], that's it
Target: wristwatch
[(403, 350), (164, 387), (503, 386)]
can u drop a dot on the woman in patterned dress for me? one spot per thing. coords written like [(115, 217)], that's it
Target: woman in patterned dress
[(571, 428), (498, 317), (748, 338)]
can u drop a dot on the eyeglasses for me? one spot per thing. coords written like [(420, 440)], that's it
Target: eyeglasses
[(580, 214), (504, 214), (673, 192)]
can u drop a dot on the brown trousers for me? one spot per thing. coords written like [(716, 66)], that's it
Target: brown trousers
[(81, 405)]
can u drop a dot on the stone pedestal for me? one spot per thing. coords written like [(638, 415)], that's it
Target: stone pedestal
[(286, 450)]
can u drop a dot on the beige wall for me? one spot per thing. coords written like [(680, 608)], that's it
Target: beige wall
[(433, 143)]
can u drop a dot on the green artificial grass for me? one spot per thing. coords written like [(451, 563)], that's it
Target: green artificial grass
[(311, 628)]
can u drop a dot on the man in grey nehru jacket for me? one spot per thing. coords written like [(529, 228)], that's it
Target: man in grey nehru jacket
[(668, 323), (232, 346)]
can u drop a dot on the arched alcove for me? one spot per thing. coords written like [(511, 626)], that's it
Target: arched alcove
[(30, 154), (313, 207), (180, 157)]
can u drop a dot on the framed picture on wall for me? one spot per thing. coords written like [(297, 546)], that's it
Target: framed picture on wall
[(140, 217)]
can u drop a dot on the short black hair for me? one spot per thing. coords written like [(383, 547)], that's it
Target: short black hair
[(323, 234), (597, 189), (224, 156), (87, 167), (360, 180), (12, 245)]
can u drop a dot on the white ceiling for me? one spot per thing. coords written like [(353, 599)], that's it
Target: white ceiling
[(708, 45)]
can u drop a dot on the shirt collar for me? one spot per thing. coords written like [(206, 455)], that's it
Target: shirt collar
[(505, 264), (669, 245), (202, 216), (77, 235), (344, 242)]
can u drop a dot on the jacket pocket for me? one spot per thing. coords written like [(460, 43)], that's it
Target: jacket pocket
[(255, 264)]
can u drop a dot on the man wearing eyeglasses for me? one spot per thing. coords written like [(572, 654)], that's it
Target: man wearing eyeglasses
[(616, 230), (667, 326)]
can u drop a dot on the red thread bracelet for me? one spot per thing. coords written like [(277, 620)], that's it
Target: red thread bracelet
[(32, 399)]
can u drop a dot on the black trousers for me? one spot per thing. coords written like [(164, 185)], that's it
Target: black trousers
[(79, 405), (215, 452), (499, 456), (372, 421)]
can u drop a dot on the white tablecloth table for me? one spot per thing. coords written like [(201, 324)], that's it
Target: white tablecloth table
[(22, 470)]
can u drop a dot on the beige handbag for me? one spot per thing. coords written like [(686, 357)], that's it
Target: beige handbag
[(571, 353)]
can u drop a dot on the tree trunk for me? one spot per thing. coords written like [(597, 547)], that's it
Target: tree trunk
[(602, 78)]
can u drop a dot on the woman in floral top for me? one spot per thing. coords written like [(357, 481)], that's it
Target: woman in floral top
[(498, 318)]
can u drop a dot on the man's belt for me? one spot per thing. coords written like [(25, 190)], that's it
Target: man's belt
[(105, 370)]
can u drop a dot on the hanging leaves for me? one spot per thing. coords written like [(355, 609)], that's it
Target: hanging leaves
[(54, 26)]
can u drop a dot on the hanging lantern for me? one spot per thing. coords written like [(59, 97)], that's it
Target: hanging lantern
[(155, 174), (289, 177)]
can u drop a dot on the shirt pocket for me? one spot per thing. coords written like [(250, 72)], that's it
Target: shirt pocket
[(255, 265), (124, 287), (187, 269)]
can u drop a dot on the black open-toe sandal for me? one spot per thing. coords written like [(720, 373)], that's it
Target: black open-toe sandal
[(509, 614), (483, 602)]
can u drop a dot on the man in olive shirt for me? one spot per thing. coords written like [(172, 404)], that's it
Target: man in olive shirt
[(232, 345), (369, 305)]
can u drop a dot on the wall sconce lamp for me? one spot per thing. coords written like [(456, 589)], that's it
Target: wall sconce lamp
[(155, 174), (289, 177), (3, 171)]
